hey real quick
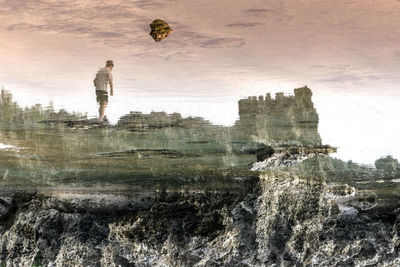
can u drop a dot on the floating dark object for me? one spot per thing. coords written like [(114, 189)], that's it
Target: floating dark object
[(159, 30)]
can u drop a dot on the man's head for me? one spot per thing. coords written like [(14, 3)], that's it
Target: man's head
[(109, 64)]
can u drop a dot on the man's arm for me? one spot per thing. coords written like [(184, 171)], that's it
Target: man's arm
[(111, 87), (110, 79)]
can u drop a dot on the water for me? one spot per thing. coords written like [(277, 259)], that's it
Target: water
[(155, 185), (44, 148)]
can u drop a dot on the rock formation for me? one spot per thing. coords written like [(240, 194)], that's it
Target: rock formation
[(159, 30), (297, 217), (288, 157), (137, 121), (283, 120), (162, 190)]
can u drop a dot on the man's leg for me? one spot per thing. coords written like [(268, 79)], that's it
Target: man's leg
[(102, 110), (102, 99)]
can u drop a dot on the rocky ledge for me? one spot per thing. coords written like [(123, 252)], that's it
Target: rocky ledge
[(271, 158)]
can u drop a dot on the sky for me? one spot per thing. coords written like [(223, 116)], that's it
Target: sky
[(346, 51)]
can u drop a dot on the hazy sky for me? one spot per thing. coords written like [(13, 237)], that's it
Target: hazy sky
[(346, 51)]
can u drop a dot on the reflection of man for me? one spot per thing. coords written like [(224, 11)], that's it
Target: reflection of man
[(103, 78)]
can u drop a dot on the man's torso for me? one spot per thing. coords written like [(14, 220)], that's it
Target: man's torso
[(103, 78)]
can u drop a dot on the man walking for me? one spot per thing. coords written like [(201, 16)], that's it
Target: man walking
[(101, 81)]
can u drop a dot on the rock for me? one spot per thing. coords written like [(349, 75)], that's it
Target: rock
[(279, 157), (264, 153), (291, 120), (285, 218), (5, 206), (159, 30)]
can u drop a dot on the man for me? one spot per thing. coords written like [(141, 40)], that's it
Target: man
[(103, 78)]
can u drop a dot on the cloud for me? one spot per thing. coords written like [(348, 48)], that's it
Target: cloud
[(334, 67), (244, 24), (10, 5), (142, 23), (71, 28), (108, 35), (77, 29), (345, 78), (19, 26), (258, 11), (222, 42), (122, 22), (396, 53), (146, 4)]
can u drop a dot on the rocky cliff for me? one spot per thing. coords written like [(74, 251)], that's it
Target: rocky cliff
[(286, 217)]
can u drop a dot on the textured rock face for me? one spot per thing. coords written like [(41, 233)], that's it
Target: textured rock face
[(283, 120), (302, 222), (284, 218), (159, 30), (288, 157), (164, 228)]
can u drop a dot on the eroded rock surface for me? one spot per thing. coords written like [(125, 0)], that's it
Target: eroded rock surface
[(284, 218)]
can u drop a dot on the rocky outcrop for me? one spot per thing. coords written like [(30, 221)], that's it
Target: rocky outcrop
[(284, 120), (137, 121), (302, 222), (288, 156), (284, 218), (159, 30)]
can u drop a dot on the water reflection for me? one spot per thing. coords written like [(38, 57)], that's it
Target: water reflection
[(159, 149), (370, 185), (286, 120)]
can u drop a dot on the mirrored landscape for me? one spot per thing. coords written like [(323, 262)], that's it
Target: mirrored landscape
[(199, 133), (48, 149)]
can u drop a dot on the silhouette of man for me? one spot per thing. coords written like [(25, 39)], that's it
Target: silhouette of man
[(101, 81)]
